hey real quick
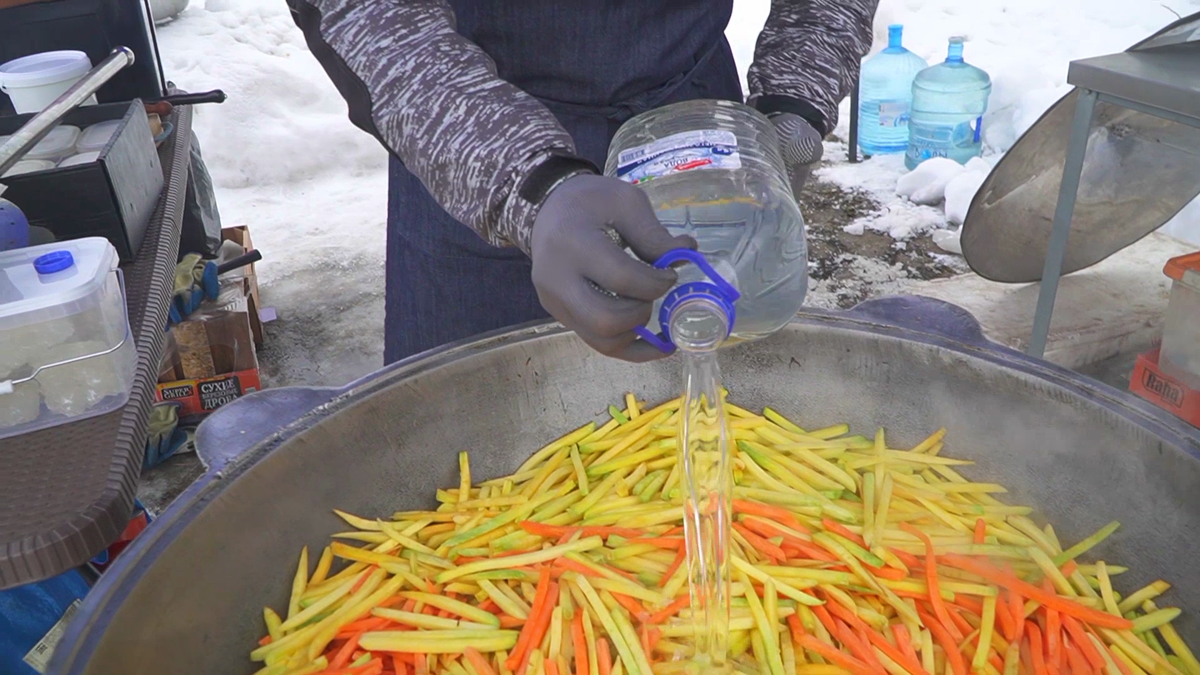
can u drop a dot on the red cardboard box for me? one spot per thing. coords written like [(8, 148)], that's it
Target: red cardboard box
[(1149, 382), (209, 361)]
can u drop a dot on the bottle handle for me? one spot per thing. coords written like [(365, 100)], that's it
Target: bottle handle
[(717, 287)]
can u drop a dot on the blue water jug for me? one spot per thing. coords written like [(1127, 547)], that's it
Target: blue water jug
[(885, 96), (948, 104), (14, 227)]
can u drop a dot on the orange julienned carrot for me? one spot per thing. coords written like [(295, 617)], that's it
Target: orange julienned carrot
[(550, 666), (1008, 626), (541, 624), (766, 548), (811, 551), (1016, 606), (889, 573), (931, 580), (526, 636), (875, 638), (579, 642), (343, 655), (603, 658), (507, 621), (669, 611), (1047, 600), (857, 646), (834, 655), (904, 641), (1035, 646), (905, 557), (767, 511), (644, 634), (362, 579), (841, 530), (797, 628), (399, 665), (1075, 658), (1075, 630), (568, 564), (958, 621), (479, 662), (264, 641), (1053, 636), (632, 606), (980, 531), (679, 558), (942, 635), (1069, 568)]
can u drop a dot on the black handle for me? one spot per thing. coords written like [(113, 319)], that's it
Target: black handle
[(247, 258), (214, 96)]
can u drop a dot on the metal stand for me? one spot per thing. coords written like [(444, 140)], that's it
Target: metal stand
[(852, 151), (1165, 86)]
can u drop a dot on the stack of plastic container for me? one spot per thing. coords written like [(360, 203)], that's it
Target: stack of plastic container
[(68, 353)]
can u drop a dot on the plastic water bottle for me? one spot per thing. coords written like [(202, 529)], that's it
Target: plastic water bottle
[(949, 100), (885, 96), (14, 227), (713, 171)]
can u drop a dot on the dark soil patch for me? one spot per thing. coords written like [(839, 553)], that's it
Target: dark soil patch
[(829, 208)]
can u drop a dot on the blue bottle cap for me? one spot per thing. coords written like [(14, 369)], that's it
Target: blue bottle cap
[(718, 291), (55, 261)]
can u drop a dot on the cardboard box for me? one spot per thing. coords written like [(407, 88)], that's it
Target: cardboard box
[(209, 361), (1149, 382), (113, 197), (240, 235)]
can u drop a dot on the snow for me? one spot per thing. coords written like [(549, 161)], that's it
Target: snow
[(287, 162)]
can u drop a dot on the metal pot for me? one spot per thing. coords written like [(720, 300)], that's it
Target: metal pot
[(187, 597)]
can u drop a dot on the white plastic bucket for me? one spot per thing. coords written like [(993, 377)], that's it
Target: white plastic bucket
[(33, 82)]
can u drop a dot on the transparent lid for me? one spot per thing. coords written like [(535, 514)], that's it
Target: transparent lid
[(29, 166), (41, 283), (81, 158), (57, 144), (95, 137)]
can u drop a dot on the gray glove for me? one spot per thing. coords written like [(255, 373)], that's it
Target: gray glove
[(573, 248), (801, 146)]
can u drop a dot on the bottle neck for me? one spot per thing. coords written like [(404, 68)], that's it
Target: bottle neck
[(699, 325), (895, 37), (955, 53)]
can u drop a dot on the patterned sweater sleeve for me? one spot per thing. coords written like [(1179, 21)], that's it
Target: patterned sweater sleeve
[(434, 99), (808, 56)]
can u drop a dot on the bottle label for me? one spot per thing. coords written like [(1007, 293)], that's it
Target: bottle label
[(893, 114), (687, 151)]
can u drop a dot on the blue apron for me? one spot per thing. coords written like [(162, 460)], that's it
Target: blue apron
[(445, 283)]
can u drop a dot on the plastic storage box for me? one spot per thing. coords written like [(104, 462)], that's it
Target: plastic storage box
[(1180, 356), (68, 352)]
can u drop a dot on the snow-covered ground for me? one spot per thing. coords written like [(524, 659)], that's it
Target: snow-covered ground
[(287, 162)]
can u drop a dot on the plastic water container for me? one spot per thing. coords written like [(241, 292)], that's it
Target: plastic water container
[(1180, 355), (56, 146), (29, 166), (68, 353), (885, 96), (95, 137), (81, 158), (948, 103), (713, 170), (35, 81)]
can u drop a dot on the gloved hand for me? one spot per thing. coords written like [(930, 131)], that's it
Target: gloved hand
[(573, 248), (801, 146), (163, 436), (195, 281)]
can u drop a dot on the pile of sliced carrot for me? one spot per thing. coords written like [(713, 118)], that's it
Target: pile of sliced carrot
[(848, 557)]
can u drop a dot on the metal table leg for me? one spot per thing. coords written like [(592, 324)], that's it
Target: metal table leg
[(1060, 231)]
